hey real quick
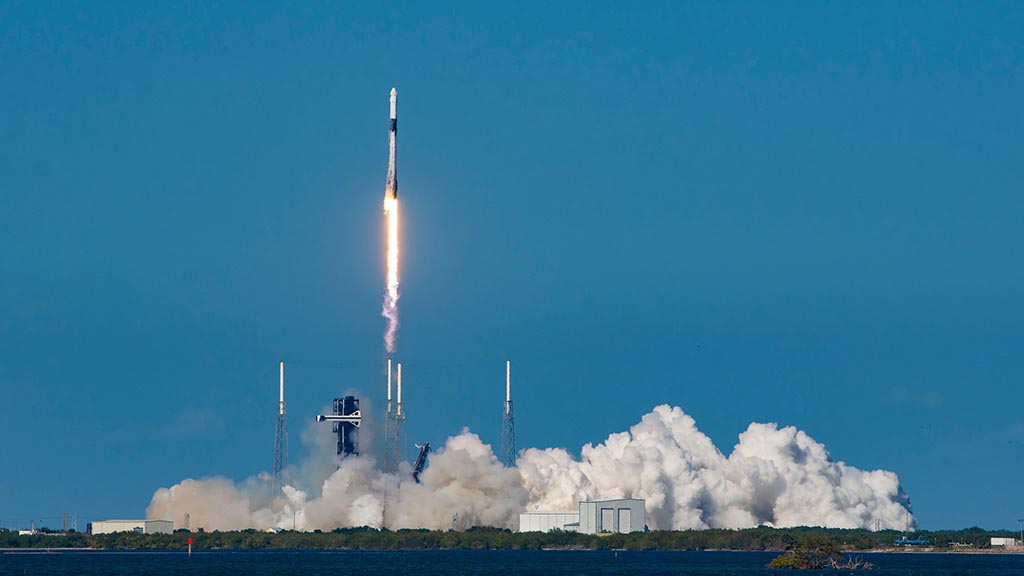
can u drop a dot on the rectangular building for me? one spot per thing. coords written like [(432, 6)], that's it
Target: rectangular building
[(1004, 542), (548, 521), (620, 516), (140, 526)]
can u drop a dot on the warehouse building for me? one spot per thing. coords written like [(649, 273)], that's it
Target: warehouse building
[(618, 516), (622, 515), (140, 526), (542, 521)]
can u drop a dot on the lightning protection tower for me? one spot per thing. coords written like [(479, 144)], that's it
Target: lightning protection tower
[(399, 429), (280, 441), (508, 428), (390, 432)]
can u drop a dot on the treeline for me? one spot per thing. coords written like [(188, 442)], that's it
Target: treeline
[(761, 538)]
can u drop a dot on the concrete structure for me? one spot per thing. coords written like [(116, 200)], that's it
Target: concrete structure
[(622, 516), (1004, 541), (548, 521), (141, 526)]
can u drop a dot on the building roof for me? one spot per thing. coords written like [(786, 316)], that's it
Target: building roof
[(130, 521)]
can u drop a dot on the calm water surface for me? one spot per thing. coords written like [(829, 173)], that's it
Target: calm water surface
[(474, 563)]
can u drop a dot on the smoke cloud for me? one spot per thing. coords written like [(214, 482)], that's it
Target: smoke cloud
[(774, 476)]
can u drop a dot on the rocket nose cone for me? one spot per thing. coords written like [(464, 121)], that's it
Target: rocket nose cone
[(394, 93)]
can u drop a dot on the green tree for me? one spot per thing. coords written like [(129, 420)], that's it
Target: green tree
[(817, 551)]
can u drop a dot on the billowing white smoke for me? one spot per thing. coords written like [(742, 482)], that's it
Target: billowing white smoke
[(464, 486), (779, 477)]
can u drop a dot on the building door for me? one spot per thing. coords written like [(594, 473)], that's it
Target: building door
[(607, 520), (624, 522)]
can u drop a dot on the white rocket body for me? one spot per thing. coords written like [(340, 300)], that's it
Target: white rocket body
[(391, 187)]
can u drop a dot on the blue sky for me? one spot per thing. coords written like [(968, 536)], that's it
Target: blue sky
[(805, 213)]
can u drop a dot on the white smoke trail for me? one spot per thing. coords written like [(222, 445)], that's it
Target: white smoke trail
[(390, 307), (774, 476)]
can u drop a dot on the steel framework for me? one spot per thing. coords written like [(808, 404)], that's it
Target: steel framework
[(280, 441)]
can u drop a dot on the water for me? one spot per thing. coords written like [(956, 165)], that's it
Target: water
[(475, 563)]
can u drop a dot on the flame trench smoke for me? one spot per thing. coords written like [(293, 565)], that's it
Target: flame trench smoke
[(776, 476), (390, 307)]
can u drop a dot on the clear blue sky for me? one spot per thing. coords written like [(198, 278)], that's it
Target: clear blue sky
[(806, 213)]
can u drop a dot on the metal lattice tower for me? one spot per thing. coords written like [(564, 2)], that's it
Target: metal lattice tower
[(508, 427), (390, 432), (399, 429), (280, 441)]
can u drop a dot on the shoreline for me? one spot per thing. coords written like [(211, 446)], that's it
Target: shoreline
[(930, 550)]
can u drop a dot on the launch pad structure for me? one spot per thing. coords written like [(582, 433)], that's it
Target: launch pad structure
[(346, 419)]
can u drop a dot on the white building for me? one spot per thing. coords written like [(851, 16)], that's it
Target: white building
[(548, 521), (1004, 542), (141, 526), (621, 515)]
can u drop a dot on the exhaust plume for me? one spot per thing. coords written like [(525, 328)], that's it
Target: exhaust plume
[(390, 307), (774, 476)]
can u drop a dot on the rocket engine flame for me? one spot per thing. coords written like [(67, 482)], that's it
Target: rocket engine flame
[(390, 307)]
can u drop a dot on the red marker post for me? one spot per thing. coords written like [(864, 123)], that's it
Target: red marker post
[(190, 547)]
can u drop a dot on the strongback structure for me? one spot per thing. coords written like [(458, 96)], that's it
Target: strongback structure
[(508, 428), (280, 441), (421, 461), (346, 419)]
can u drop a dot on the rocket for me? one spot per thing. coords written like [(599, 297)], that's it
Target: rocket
[(391, 187)]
